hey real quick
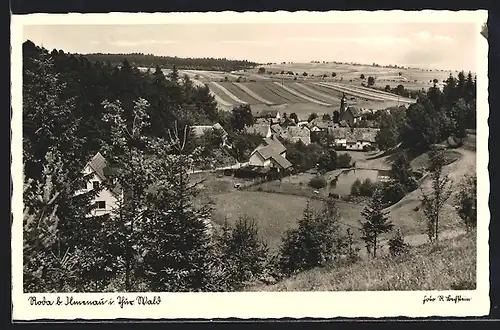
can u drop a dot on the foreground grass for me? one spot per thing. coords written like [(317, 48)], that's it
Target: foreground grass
[(274, 213), (451, 266)]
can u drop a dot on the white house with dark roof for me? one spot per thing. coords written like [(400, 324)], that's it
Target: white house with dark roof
[(271, 153), (107, 200)]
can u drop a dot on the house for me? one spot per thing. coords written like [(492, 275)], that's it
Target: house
[(353, 138), (263, 129), (277, 129), (107, 200), (272, 115), (271, 154), (297, 133), (200, 130)]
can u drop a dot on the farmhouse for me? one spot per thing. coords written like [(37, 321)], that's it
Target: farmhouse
[(200, 130), (271, 153), (353, 138), (106, 201)]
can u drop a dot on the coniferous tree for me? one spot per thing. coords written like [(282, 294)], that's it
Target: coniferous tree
[(434, 201), (376, 224)]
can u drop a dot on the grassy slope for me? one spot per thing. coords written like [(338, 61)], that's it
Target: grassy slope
[(452, 266)]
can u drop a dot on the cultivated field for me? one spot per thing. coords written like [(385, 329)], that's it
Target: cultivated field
[(318, 91)]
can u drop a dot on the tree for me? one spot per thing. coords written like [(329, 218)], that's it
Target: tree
[(242, 253), (362, 76), (126, 156), (312, 116), (397, 244), (402, 173), (241, 117), (433, 201), (376, 224), (314, 242), (423, 126), (371, 81), (294, 117), (174, 247), (466, 201), (387, 88), (262, 70), (326, 117)]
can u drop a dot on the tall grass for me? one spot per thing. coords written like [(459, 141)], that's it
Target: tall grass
[(450, 266)]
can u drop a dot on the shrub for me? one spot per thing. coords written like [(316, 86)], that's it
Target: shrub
[(242, 254), (314, 242), (356, 188), (397, 245), (317, 182), (367, 188), (393, 193), (344, 160)]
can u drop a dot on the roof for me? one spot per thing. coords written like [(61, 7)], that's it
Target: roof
[(199, 130), (265, 113), (261, 129), (269, 153), (354, 134), (276, 128), (274, 143), (354, 111), (218, 126), (295, 131), (98, 164)]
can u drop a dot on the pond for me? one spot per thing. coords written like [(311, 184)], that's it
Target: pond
[(347, 178)]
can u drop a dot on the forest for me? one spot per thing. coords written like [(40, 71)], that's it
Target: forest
[(167, 62)]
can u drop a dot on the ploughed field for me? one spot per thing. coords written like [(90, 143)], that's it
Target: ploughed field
[(312, 87)]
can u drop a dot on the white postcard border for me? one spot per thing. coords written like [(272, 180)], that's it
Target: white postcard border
[(255, 304)]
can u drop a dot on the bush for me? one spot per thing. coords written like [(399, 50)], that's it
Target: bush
[(397, 245), (356, 188), (344, 160), (367, 188), (317, 182), (393, 193), (242, 254), (314, 242)]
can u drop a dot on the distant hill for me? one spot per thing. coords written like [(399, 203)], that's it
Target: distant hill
[(149, 60)]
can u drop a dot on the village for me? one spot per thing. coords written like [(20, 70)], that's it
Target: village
[(268, 160)]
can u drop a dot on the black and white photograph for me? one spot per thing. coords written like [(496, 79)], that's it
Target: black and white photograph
[(273, 154)]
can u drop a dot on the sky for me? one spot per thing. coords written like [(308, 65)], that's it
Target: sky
[(425, 45)]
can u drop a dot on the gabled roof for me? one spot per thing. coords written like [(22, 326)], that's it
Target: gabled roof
[(276, 128), (97, 164), (294, 131), (269, 153), (275, 144), (354, 111)]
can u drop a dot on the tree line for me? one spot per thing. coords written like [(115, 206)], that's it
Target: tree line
[(436, 116), (168, 62)]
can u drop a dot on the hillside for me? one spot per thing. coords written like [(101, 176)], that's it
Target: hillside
[(424, 268)]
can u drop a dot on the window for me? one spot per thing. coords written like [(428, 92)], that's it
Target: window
[(95, 185), (83, 185), (101, 204)]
